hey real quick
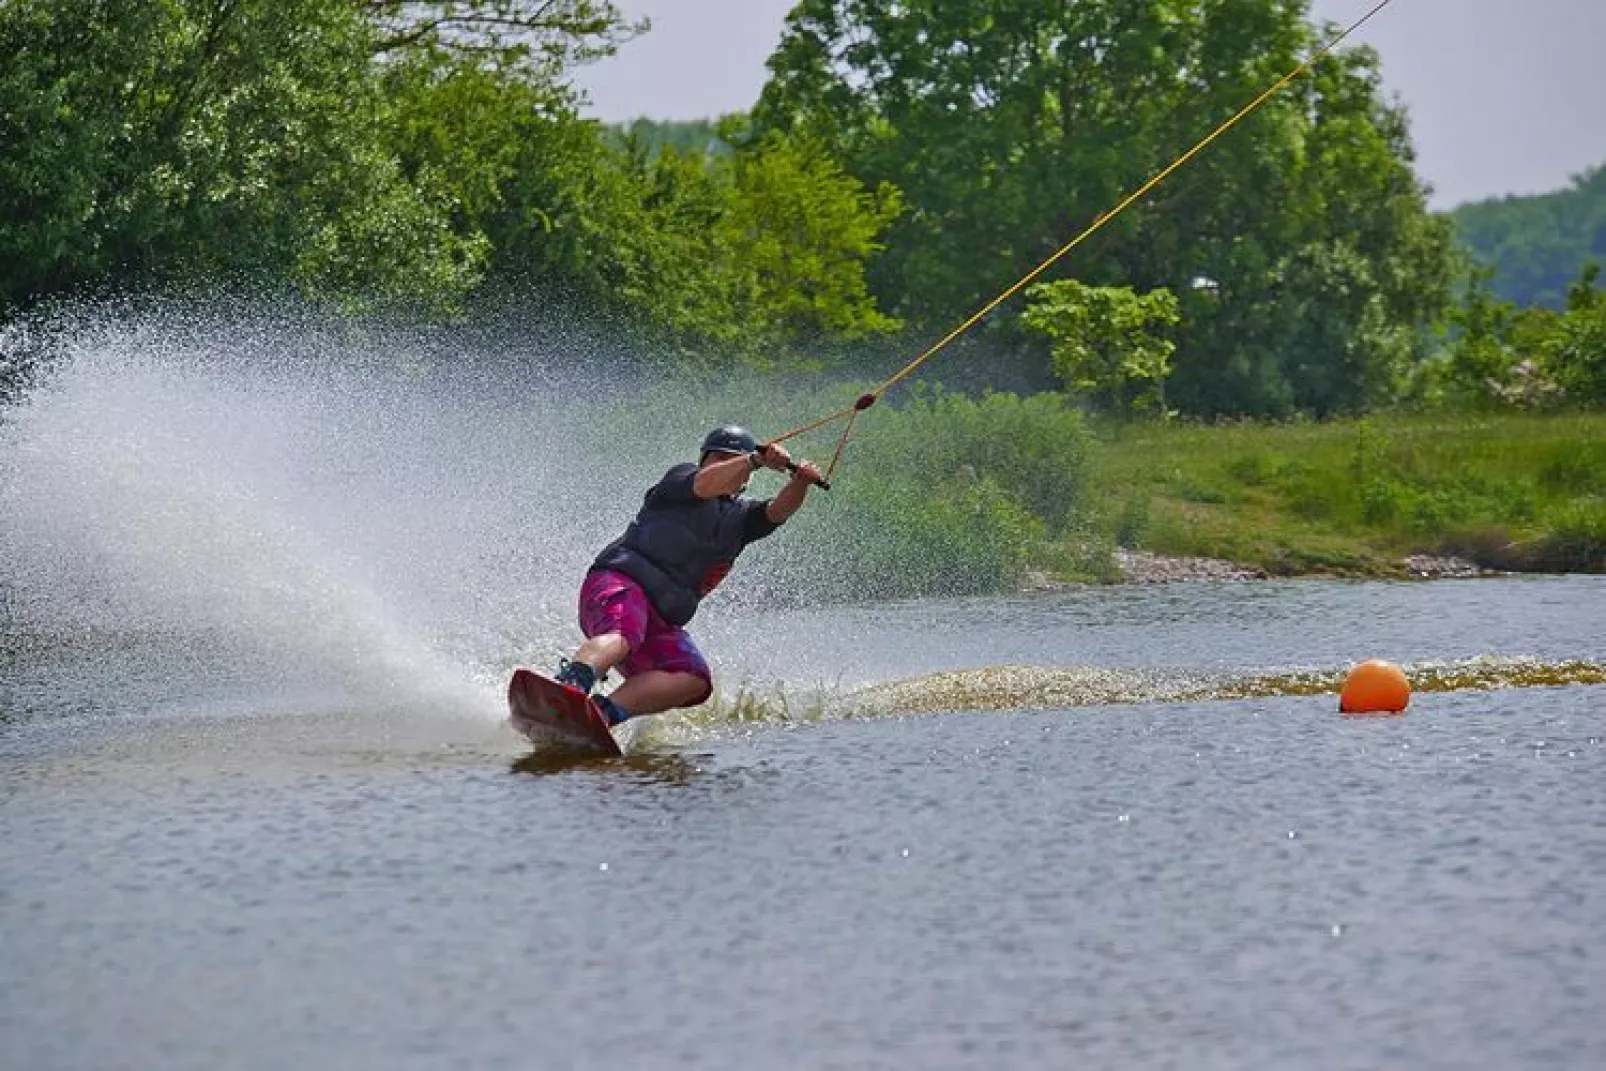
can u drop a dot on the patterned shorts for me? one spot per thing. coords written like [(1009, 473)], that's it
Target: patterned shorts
[(613, 602)]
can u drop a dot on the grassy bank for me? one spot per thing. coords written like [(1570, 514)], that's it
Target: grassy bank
[(947, 494), (1353, 497)]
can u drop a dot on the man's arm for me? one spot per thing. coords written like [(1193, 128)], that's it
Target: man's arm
[(719, 478), (791, 497)]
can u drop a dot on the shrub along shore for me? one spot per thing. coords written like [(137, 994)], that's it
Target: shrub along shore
[(948, 494)]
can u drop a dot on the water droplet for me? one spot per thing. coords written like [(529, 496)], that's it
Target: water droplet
[(904, 853), (602, 866), (1338, 930), (1292, 834), (1124, 818)]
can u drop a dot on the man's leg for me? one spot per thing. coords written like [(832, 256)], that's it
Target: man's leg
[(602, 653), (665, 670), (613, 616), (656, 690), (662, 667)]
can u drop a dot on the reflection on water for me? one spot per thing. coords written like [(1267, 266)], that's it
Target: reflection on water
[(647, 767)]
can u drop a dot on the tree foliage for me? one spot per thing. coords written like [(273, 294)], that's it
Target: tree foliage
[(908, 160), (1109, 343), (543, 37), (1010, 124), (755, 255), (1499, 355), (802, 230), (389, 152), (1576, 353), (158, 141)]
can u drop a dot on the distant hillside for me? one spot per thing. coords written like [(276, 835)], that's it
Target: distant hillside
[(1537, 245)]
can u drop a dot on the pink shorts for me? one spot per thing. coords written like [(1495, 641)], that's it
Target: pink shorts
[(613, 602)]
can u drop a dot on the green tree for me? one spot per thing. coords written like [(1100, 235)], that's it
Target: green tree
[(1108, 342), (405, 152), (1479, 356), (180, 139), (541, 40), (1576, 353), (1010, 124), (754, 255), (1500, 355), (166, 140), (800, 232)]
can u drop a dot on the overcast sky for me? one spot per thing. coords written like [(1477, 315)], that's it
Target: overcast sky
[(1505, 96)]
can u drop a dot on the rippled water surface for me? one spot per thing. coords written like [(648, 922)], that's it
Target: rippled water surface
[(199, 873), (262, 581)]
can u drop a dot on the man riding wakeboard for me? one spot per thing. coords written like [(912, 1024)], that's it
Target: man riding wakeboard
[(645, 586)]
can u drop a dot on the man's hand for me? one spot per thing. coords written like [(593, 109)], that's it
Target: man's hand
[(808, 473), (791, 496), (775, 456)]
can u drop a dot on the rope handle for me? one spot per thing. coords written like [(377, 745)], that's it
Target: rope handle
[(791, 466), (864, 401)]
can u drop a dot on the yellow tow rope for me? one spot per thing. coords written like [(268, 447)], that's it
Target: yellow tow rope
[(867, 399)]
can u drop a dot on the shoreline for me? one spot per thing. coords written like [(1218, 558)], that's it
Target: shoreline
[(1396, 496), (1146, 567)]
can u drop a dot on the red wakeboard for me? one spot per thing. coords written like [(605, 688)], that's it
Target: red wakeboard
[(554, 715)]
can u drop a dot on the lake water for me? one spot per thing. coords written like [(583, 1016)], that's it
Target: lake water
[(262, 580), (197, 874)]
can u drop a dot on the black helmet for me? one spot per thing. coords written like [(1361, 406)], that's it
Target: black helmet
[(729, 440)]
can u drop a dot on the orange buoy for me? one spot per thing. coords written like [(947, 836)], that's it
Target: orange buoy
[(1375, 687)]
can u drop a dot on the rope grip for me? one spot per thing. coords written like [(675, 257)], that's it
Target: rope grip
[(791, 466)]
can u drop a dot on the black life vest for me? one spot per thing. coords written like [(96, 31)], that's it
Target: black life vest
[(681, 546)]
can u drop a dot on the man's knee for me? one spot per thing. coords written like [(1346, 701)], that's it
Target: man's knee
[(697, 689), (609, 647)]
